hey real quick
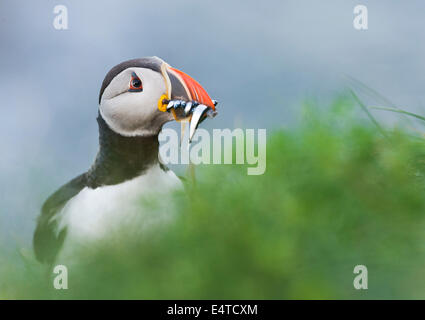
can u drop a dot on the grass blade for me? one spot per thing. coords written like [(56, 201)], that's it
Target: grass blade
[(374, 94), (366, 110), (417, 116)]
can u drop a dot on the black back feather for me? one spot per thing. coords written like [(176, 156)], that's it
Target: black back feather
[(46, 240)]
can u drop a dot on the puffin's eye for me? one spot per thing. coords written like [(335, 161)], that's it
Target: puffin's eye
[(135, 83)]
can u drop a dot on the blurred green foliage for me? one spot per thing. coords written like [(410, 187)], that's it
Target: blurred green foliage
[(336, 193)]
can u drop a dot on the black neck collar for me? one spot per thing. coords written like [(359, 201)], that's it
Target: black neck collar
[(121, 158)]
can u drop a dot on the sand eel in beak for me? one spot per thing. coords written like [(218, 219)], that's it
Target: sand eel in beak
[(185, 98), (136, 99)]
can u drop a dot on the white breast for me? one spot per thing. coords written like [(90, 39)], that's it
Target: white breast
[(133, 207)]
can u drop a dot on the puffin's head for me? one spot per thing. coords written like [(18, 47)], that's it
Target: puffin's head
[(135, 94)]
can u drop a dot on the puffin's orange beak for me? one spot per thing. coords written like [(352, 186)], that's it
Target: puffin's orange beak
[(185, 98), (193, 90)]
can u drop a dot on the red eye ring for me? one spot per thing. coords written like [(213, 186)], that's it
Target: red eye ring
[(135, 83)]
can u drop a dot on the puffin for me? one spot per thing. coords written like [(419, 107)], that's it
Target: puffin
[(137, 97)]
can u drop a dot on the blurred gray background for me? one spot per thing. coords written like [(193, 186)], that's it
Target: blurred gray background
[(259, 59)]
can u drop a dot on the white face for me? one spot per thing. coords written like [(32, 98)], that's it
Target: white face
[(133, 110)]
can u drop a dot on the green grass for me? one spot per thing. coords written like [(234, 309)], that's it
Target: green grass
[(336, 193)]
